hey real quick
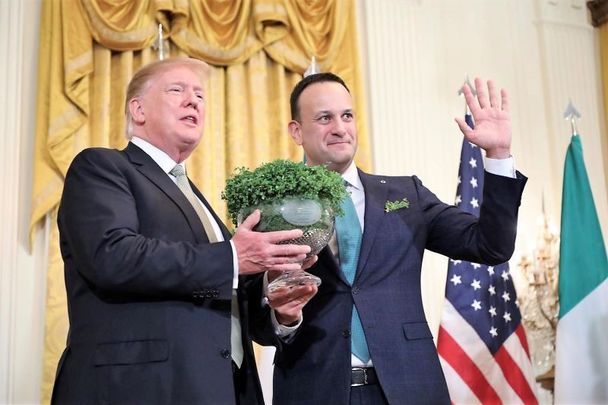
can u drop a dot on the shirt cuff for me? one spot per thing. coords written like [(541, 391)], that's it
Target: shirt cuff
[(235, 266), (282, 331), (501, 167)]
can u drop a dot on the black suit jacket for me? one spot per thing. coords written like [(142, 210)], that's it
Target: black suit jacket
[(148, 296), (315, 366)]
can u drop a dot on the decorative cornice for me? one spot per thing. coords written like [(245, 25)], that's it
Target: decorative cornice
[(599, 11)]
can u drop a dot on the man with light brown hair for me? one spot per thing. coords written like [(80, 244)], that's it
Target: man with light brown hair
[(158, 313)]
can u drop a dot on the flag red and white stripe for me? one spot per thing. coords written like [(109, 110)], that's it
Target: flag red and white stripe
[(474, 374)]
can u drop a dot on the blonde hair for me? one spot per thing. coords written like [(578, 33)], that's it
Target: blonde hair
[(141, 80)]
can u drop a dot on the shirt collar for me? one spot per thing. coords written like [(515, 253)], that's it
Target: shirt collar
[(160, 157), (351, 175)]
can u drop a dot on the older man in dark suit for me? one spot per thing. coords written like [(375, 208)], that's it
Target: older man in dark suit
[(152, 274), (364, 338)]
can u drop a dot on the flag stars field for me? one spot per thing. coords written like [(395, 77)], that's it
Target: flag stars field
[(456, 279)]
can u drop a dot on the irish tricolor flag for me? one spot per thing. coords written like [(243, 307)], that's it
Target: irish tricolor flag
[(581, 363)]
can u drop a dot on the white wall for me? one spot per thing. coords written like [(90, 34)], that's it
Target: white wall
[(22, 273)]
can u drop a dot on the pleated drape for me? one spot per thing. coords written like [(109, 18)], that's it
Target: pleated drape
[(258, 50)]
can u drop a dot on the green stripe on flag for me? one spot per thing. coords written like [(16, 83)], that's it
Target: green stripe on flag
[(582, 263)]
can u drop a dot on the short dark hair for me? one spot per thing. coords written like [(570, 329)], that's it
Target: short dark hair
[(304, 83)]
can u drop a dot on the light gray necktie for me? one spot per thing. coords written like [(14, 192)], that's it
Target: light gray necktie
[(235, 331)]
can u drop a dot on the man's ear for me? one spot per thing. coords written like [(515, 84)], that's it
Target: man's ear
[(295, 131), (137, 111)]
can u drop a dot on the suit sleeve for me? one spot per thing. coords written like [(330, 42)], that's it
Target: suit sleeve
[(488, 239), (101, 236)]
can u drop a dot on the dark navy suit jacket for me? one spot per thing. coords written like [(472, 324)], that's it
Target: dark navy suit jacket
[(315, 366), (148, 296)]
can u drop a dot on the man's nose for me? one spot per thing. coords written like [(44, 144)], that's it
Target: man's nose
[(340, 128), (192, 100)]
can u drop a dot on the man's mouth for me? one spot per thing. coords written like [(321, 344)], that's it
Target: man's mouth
[(190, 118)]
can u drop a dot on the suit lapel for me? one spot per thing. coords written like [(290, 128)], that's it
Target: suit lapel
[(376, 192), (327, 260), (148, 167)]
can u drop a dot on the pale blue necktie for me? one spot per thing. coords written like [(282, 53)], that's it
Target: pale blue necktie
[(348, 230)]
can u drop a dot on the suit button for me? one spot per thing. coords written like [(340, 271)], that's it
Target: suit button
[(225, 353), (355, 290), (346, 333), (197, 297)]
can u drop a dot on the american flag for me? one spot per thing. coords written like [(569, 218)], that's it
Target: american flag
[(482, 344)]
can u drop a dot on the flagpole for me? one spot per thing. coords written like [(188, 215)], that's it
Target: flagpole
[(159, 44), (572, 115), (313, 68), (467, 82)]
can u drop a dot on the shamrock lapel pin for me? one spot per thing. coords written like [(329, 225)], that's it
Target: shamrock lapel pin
[(396, 205)]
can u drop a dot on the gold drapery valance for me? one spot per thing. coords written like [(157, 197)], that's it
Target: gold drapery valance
[(222, 33)]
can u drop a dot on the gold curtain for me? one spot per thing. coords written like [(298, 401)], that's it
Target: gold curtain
[(258, 50)]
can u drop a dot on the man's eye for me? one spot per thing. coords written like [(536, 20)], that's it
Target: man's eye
[(324, 118), (348, 116), (200, 97), (175, 89)]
